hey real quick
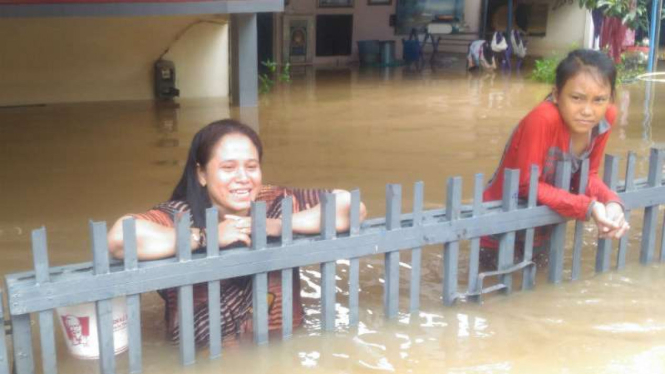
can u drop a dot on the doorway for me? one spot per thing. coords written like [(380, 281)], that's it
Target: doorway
[(265, 36)]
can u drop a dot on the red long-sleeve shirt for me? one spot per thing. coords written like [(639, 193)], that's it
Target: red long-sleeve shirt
[(542, 138)]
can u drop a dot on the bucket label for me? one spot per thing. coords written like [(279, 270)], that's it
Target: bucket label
[(77, 329), (120, 323)]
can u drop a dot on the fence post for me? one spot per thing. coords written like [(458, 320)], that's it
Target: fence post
[(354, 263), (133, 301), (605, 245), (579, 225), (662, 241), (214, 287), (22, 344), (260, 280), (416, 253), (559, 233), (451, 249), (185, 293), (474, 252), (650, 212), (328, 230), (529, 272), (391, 259), (511, 179), (287, 274), (104, 308), (630, 185), (42, 276), (4, 356)]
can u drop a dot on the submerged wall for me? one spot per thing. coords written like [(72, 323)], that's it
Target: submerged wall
[(48, 60)]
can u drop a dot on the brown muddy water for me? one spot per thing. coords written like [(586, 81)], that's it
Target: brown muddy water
[(61, 165)]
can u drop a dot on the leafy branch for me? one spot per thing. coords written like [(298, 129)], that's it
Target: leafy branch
[(267, 80)]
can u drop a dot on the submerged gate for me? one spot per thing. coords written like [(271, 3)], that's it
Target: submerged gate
[(46, 288)]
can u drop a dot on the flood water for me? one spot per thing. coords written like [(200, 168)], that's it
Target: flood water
[(62, 165)]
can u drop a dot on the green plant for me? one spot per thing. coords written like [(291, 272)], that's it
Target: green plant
[(267, 81), (285, 75), (545, 69), (627, 70)]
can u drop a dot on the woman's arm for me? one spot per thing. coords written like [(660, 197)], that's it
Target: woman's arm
[(306, 221), (608, 213), (153, 241)]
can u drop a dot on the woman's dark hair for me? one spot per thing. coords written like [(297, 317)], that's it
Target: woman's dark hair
[(579, 60), (188, 188)]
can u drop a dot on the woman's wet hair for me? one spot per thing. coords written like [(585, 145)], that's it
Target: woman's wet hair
[(595, 62), (200, 152)]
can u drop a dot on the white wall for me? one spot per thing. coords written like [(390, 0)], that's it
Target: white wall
[(49, 60), (369, 22), (473, 15), (566, 26)]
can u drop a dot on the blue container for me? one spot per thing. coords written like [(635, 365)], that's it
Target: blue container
[(410, 50), (369, 51)]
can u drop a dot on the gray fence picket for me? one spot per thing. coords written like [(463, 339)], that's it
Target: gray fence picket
[(558, 241), (354, 263), (259, 280), (474, 251), (328, 224), (579, 226), (4, 355), (391, 259), (662, 241), (46, 332), (287, 274), (604, 251), (416, 253), (650, 212), (22, 344), (529, 272), (104, 308), (185, 293), (214, 287), (451, 249), (507, 240), (133, 301), (630, 185)]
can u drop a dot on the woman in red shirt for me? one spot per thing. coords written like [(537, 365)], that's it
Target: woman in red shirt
[(572, 124)]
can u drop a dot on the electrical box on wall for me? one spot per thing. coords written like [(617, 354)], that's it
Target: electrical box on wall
[(165, 80)]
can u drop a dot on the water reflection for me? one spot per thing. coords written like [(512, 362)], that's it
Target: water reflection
[(649, 99)]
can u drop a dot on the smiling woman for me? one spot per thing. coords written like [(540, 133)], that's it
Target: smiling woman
[(223, 170), (572, 124)]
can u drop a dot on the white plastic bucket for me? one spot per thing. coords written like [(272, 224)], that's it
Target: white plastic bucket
[(79, 326)]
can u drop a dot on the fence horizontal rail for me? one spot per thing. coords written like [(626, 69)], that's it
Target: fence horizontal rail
[(25, 296)]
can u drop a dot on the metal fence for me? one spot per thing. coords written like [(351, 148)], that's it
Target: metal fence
[(47, 288)]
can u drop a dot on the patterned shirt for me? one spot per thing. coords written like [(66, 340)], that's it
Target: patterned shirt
[(235, 293)]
